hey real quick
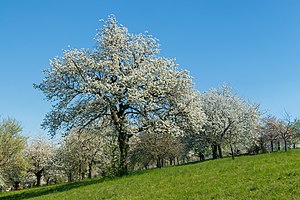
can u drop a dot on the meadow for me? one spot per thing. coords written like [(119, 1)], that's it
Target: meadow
[(267, 176)]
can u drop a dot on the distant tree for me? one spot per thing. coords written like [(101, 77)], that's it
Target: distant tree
[(230, 120), (123, 80), (39, 154), (158, 144), (197, 143), (12, 144), (53, 174), (269, 130), (67, 161), (82, 151), (286, 128), (296, 136)]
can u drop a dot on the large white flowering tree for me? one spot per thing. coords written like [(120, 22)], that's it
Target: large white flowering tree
[(123, 80), (231, 121)]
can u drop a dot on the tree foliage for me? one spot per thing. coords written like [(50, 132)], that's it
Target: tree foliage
[(12, 144)]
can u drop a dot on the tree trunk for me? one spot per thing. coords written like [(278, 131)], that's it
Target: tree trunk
[(123, 140), (16, 184), (38, 177), (214, 151), (118, 117), (272, 146), (220, 151), (48, 181), (70, 177), (278, 145), (90, 170), (158, 163), (294, 146), (201, 156), (232, 153), (285, 145)]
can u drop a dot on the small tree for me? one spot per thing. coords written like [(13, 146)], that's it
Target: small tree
[(286, 129), (197, 143), (296, 136), (158, 144), (269, 130), (12, 163), (39, 155), (83, 151)]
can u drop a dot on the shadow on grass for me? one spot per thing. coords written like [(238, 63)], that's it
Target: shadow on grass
[(37, 192)]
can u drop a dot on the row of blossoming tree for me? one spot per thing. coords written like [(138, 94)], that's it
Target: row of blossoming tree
[(94, 151), (145, 100)]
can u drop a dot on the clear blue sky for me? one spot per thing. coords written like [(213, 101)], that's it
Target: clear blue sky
[(252, 45)]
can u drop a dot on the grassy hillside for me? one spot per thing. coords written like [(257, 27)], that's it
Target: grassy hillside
[(268, 176)]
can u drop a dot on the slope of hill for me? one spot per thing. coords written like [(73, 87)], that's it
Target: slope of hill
[(268, 176)]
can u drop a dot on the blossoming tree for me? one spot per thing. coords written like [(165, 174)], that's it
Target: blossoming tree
[(230, 120), (123, 80), (39, 154)]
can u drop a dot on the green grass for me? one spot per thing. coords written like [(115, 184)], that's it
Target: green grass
[(268, 176)]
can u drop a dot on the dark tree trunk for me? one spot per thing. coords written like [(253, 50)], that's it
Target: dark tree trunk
[(201, 156), (294, 146), (158, 163), (285, 145), (39, 177), (171, 161), (16, 184), (90, 170), (48, 181), (272, 146), (214, 151), (220, 151), (123, 140), (70, 177), (232, 153), (278, 145), (118, 116), (82, 175)]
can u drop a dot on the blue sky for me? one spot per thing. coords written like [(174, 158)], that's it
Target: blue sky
[(252, 45)]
